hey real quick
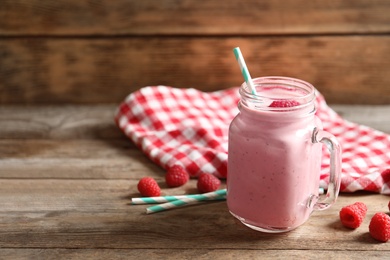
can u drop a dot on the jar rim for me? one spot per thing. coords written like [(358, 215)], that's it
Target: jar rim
[(295, 93)]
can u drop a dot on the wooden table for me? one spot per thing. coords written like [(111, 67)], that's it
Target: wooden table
[(67, 175)]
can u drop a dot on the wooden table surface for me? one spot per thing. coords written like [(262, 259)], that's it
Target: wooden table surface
[(67, 175)]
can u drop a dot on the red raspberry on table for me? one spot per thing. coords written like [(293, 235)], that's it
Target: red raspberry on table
[(176, 176), (380, 227), (207, 183), (284, 103), (148, 187), (352, 215), (386, 176)]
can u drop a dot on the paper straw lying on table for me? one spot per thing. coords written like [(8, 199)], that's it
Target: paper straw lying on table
[(163, 199), (187, 200)]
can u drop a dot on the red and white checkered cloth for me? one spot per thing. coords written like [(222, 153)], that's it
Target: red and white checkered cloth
[(190, 128)]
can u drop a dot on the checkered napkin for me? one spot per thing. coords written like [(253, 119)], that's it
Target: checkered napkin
[(190, 128)]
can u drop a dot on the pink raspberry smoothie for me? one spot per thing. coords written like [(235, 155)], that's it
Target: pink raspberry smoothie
[(269, 185), (273, 166)]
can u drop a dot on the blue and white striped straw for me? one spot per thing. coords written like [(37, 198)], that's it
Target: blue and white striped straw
[(187, 200), (156, 200), (163, 199), (244, 70)]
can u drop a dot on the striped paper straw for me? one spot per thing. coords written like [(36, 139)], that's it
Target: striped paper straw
[(244, 70), (163, 199), (187, 200)]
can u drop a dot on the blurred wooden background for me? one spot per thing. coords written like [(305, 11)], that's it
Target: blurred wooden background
[(98, 51)]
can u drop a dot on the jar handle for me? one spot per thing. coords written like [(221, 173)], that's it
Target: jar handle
[(333, 146)]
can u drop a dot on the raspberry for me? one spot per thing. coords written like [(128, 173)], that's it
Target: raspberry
[(380, 227), (352, 215), (148, 187), (207, 183), (284, 103), (386, 176), (176, 176)]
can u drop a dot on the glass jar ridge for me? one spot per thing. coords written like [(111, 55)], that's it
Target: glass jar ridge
[(296, 94)]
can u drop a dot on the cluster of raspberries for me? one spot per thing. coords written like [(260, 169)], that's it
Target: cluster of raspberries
[(177, 176), (352, 216)]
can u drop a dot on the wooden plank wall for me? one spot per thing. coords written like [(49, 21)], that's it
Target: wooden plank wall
[(98, 51)]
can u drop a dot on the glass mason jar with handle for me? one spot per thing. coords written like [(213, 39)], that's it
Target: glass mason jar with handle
[(274, 156)]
